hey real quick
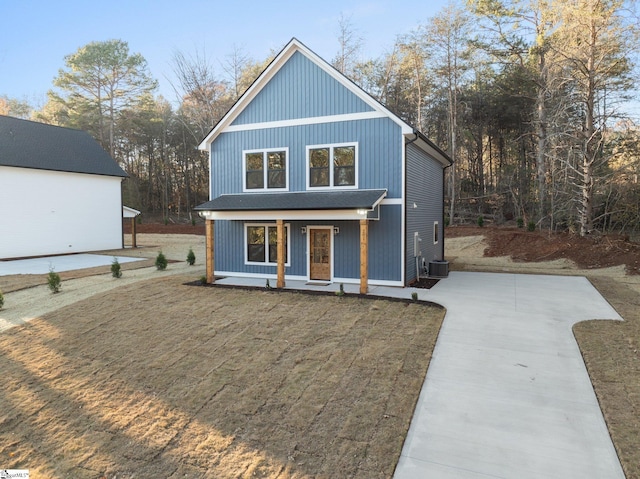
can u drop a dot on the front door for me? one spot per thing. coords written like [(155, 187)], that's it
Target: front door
[(320, 249)]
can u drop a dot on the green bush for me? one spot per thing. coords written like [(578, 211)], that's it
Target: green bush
[(193, 221), (531, 226), (480, 221), (341, 291), (53, 280), (1, 300), (203, 280), (414, 296), (161, 262), (116, 269), (191, 257), (520, 222)]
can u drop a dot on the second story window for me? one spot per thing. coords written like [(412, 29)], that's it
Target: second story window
[(332, 166), (265, 169)]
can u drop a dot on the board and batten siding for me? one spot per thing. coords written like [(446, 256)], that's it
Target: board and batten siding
[(51, 212), (300, 89), (423, 207), (379, 145)]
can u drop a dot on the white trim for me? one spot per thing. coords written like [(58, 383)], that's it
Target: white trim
[(331, 147), (266, 244), (403, 211), (331, 251), (128, 212), (392, 201), (316, 120), (291, 215), (265, 170), (287, 52)]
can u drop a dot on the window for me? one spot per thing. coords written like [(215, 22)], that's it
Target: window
[(262, 244), (265, 169), (436, 233), (332, 166)]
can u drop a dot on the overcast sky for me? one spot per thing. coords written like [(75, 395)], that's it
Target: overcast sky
[(36, 35)]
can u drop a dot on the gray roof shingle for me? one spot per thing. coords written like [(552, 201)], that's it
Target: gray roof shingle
[(28, 144), (299, 200)]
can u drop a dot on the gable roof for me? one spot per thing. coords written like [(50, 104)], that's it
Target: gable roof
[(279, 61), (28, 144)]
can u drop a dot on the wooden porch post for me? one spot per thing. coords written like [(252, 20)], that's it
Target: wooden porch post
[(364, 256), (281, 251), (133, 232), (209, 253)]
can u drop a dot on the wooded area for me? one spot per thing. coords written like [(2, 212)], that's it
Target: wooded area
[(533, 99)]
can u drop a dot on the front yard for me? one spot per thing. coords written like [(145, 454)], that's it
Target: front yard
[(159, 379)]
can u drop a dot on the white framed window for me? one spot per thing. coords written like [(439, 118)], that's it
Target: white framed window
[(332, 166), (261, 244), (436, 232), (265, 170)]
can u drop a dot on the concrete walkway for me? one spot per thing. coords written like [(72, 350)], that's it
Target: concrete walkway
[(507, 394)]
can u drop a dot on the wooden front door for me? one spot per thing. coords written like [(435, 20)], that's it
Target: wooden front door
[(320, 250)]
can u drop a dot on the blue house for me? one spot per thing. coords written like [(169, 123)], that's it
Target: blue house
[(313, 179)]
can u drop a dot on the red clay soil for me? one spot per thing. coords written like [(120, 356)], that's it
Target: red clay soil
[(595, 251)]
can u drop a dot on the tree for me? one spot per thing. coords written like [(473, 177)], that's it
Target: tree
[(448, 34), (595, 45), (15, 108), (346, 59), (520, 32), (100, 80)]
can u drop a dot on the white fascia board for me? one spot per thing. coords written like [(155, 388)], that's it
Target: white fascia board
[(264, 78), (129, 212), (290, 215), (432, 152)]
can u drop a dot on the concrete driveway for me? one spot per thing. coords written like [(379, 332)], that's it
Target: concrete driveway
[(507, 393)]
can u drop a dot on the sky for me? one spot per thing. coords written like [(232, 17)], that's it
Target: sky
[(36, 35)]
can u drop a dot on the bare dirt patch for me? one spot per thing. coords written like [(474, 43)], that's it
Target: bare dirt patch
[(160, 379)]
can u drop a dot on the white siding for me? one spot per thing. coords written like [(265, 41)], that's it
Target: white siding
[(48, 212)]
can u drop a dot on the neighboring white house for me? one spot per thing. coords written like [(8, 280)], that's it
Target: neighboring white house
[(60, 191)]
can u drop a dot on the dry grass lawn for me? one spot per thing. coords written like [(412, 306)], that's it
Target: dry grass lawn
[(160, 379), (611, 351)]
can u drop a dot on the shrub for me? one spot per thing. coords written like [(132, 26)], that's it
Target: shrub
[(1, 300), (193, 221), (520, 222), (53, 280), (341, 291), (531, 226), (191, 257), (267, 286), (414, 296), (116, 269), (161, 262), (203, 280), (480, 221)]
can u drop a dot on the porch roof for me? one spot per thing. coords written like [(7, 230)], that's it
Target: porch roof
[(342, 204)]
